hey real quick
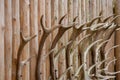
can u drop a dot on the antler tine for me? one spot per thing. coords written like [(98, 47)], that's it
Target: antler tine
[(51, 51), (94, 19), (103, 62), (107, 66), (27, 60), (106, 19), (75, 18), (100, 13), (42, 25), (118, 28), (78, 70), (89, 23), (81, 25), (60, 78), (112, 73), (22, 37), (58, 52), (68, 25), (105, 77), (61, 19), (98, 48), (114, 18), (89, 47), (90, 69), (93, 28), (25, 40), (45, 29), (108, 51), (86, 36), (30, 38), (85, 56), (110, 32)]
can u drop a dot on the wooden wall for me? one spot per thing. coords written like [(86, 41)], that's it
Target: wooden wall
[(24, 15)]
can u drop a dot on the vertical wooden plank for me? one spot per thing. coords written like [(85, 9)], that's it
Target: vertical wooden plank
[(61, 59), (8, 39), (33, 31), (2, 25), (81, 35), (111, 42), (65, 34), (104, 7), (43, 68), (16, 35), (70, 19), (91, 13), (54, 20), (75, 56), (48, 41), (41, 11), (117, 38), (24, 23), (70, 15)]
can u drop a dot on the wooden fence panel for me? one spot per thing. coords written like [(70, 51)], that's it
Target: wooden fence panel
[(25, 29), (2, 29), (16, 35), (8, 39), (24, 15), (33, 31)]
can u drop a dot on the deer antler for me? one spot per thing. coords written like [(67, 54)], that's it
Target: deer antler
[(24, 41), (108, 51), (76, 32), (64, 73), (60, 33), (106, 19), (77, 71), (85, 57)]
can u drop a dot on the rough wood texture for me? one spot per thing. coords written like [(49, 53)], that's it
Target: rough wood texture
[(33, 31), (8, 39), (16, 35), (25, 28), (48, 24), (117, 37), (34, 17), (2, 29)]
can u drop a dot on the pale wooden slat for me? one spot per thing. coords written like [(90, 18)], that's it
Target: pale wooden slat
[(24, 25), (48, 41), (75, 57), (111, 42), (61, 59), (16, 35), (33, 31), (8, 39), (117, 38), (41, 11), (54, 19), (2, 25), (65, 34)]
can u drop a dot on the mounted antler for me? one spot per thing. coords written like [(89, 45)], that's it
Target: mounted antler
[(61, 29), (97, 35), (24, 41)]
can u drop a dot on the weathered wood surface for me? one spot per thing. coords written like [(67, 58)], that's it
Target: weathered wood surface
[(24, 15)]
